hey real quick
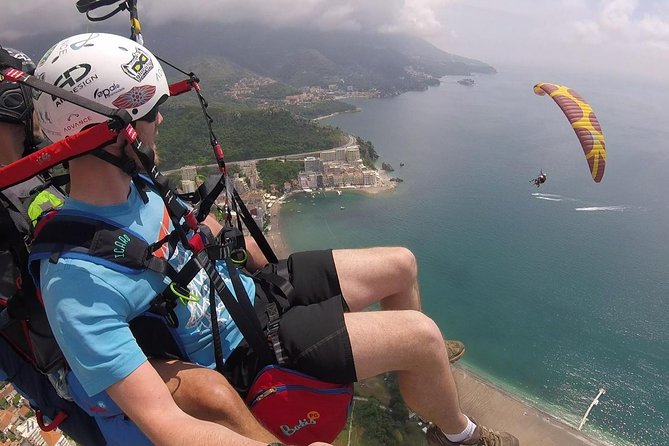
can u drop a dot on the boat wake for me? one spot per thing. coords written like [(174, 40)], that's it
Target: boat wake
[(583, 204), (549, 197), (602, 208)]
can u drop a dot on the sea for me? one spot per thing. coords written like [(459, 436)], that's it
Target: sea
[(557, 291)]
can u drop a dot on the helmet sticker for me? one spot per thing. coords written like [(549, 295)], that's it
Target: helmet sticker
[(136, 97), (62, 50), (46, 56), (76, 77), (76, 123), (44, 117), (79, 44), (139, 66), (106, 93), (35, 92)]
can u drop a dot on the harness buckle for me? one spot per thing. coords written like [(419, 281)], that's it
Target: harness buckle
[(273, 332)]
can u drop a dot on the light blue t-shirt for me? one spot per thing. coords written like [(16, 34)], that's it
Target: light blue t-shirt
[(89, 305)]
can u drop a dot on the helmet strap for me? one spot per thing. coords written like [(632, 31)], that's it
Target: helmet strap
[(123, 162)]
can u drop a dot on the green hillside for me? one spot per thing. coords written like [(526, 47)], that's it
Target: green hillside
[(243, 134)]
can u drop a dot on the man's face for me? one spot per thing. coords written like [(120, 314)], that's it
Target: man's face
[(147, 132)]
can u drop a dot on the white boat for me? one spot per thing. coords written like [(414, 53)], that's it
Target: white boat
[(338, 192)]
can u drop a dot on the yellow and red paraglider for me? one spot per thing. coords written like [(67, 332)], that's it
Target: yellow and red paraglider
[(583, 121)]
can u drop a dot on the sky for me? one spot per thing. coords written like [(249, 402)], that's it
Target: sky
[(625, 37)]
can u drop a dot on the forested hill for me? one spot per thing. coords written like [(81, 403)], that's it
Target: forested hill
[(243, 134)]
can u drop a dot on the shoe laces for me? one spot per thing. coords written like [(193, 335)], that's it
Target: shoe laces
[(489, 437)]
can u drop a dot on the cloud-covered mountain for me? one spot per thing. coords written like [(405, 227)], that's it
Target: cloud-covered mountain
[(391, 63)]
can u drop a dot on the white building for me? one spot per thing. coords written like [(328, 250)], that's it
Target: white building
[(188, 173), (352, 154), (328, 155), (188, 186), (312, 164), (340, 154), (33, 435)]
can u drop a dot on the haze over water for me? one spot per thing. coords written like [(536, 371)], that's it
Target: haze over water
[(556, 291)]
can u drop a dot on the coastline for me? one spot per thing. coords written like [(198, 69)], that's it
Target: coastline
[(274, 236), (479, 398), (500, 410), (276, 239)]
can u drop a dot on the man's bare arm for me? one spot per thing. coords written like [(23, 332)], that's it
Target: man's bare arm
[(143, 396)]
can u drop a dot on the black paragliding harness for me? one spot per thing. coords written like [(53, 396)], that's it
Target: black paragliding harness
[(541, 179), (104, 133)]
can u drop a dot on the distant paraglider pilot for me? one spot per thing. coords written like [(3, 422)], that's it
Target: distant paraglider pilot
[(541, 179)]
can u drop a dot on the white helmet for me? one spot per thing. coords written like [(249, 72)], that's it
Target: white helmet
[(109, 69)]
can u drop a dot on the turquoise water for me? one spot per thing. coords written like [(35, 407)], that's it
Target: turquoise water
[(556, 291)]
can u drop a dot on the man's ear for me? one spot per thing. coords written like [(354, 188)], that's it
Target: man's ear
[(156, 156)]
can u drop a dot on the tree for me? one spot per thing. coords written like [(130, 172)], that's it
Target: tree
[(277, 172), (377, 423), (399, 411)]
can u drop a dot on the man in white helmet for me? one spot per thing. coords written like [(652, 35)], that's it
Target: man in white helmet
[(324, 333), (98, 421)]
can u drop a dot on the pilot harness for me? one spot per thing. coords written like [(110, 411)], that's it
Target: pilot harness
[(76, 235), (23, 322)]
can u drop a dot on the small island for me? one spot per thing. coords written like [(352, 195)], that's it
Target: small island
[(469, 82)]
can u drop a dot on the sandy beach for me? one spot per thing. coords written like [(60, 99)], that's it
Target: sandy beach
[(479, 399), (495, 408)]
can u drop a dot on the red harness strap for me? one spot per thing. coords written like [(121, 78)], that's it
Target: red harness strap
[(54, 154), (60, 417)]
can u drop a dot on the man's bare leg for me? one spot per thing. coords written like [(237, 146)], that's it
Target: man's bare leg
[(418, 356), (388, 275), (206, 394)]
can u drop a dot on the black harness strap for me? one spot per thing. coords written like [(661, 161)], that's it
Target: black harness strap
[(97, 239), (254, 230), (246, 321)]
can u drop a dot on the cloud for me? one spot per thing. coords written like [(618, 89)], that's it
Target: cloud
[(413, 16), (616, 15), (417, 17), (623, 23), (601, 32), (654, 28), (588, 31)]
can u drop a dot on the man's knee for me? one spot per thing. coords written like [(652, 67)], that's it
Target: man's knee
[(405, 263), (215, 394), (425, 332)]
